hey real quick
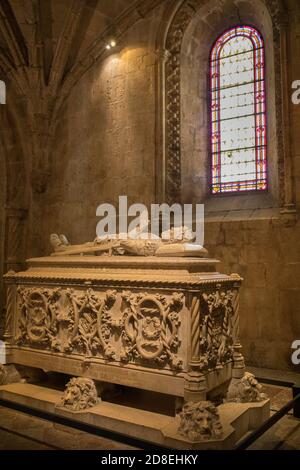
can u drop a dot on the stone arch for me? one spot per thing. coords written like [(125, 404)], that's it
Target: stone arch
[(184, 19)]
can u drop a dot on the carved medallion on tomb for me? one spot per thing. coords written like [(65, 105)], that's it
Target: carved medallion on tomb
[(92, 323), (66, 320), (151, 324), (37, 323), (216, 328)]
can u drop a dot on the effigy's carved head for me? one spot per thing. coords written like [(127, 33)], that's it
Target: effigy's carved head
[(80, 394), (200, 421), (55, 240)]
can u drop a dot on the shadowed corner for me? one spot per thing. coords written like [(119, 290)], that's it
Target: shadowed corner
[(2, 92)]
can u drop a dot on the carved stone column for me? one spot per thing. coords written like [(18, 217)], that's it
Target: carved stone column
[(41, 135), (14, 239), (173, 126), (195, 383), (9, 312), (14, 255), (160, 173), (289, 190), (238, 359)]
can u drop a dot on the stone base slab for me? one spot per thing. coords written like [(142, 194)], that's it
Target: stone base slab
[(237, 419)]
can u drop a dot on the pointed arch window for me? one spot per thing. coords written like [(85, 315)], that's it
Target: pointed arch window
[(238, 112)]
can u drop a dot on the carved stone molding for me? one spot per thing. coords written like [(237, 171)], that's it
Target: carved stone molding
[(195, 386), (75, 278), (173, 43), (200, 421)]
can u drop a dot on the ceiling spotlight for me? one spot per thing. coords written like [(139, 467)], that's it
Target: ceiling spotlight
[(111, 42)]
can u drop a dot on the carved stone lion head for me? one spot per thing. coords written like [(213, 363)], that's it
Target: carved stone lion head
[(80, 394), (200, 421), (245, 390)]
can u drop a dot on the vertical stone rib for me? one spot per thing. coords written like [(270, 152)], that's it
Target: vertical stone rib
[(238, 358), (195, 328), (236, 317), (10, 302)]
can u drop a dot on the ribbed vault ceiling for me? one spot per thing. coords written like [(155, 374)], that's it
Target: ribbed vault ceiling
[(53, 36)]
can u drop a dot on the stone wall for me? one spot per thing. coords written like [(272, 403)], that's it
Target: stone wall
[(104, 144), (266, 253), (248, 233)]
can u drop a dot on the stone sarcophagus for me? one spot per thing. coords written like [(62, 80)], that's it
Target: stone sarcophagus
[(168, 325)]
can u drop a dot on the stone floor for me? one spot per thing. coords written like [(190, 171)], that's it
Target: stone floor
[(285, 434), (19, 431)]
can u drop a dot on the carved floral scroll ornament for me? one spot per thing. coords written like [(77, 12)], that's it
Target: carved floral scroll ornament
[(93, 322), (151, 325), (66, 321), (216, 342), (37, 323), (81, 322)]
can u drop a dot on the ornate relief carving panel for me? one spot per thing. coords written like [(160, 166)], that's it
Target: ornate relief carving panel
[(162, 326), (124, 326), (144, 328)]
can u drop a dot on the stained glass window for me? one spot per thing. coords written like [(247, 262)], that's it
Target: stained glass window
[(238, 112)]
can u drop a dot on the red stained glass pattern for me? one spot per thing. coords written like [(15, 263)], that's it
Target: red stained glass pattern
[(238, 112)]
